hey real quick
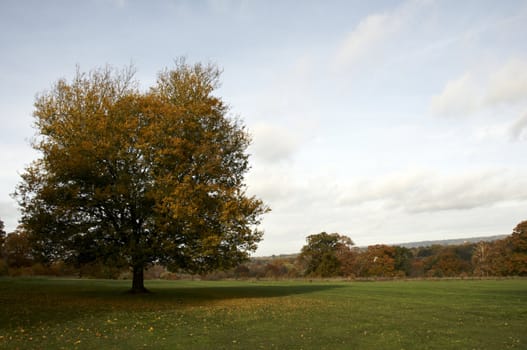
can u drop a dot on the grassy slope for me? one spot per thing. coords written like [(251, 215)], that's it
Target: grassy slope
[(87, 314)]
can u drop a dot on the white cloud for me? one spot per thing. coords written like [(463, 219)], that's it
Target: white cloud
[(508, 84), (371, 33), (467, 191), (475, 92), (500, 92), (516, 129), (417, 191), (272, 143), (272, 184), (387, 188), (459, 97)]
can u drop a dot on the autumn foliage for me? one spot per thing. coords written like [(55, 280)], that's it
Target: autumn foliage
[(129, 178)]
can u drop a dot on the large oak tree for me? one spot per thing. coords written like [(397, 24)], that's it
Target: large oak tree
[(135, 177)]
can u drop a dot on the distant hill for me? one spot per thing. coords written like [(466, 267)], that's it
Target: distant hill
[(450, 241), (273, 257)]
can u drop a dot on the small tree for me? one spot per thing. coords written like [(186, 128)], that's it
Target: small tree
[(481, 259), (17, 249), (518, 249), (135, 178), (508, 256), (3, 263), (380, 260), (450, 262), (403, 260), (320, 255)]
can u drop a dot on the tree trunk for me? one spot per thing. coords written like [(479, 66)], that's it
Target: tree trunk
[(138, 282)]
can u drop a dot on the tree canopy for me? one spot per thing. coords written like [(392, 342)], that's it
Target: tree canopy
[(137, 177), (2, 232), (322, 254)]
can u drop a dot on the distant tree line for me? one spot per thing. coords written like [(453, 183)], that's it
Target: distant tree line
[(334, 255), (325, 255)]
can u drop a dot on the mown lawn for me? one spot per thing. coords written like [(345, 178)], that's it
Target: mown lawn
[(40, 313)]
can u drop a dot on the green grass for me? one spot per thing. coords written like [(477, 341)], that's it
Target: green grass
[(40, 313)]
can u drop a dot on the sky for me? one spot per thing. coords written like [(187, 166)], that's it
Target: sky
[(385, 121)]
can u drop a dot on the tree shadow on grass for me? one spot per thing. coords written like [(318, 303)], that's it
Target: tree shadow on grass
[(207, 293), (43, 301)]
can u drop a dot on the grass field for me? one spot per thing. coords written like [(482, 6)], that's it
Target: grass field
[(42, 313)]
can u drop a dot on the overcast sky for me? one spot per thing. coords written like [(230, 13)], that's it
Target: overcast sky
[(386, 121)]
